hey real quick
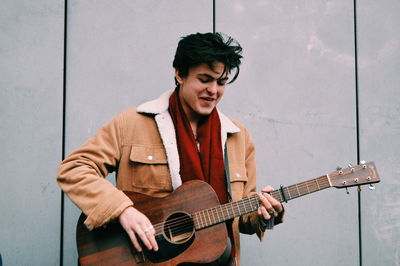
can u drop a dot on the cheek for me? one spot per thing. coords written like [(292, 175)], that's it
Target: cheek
[(220, 91)]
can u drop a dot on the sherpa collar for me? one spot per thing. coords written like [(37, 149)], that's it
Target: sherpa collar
[(160, 105)]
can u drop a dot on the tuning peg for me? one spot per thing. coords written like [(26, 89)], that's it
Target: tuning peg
[(347, 191), (371, 187), (350, 165), (338, 168), (362, 162)]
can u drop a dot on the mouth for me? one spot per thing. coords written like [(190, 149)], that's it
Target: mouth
[(207, 99)]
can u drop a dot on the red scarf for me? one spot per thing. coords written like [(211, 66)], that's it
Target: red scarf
[(208, 164)]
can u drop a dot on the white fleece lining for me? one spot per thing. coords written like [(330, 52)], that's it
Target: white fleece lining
[(168, 136)]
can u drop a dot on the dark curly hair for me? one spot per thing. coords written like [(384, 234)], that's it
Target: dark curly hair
[(207, 48)]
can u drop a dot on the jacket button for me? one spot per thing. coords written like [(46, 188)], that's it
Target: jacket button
[(238, 175), (149, 157)]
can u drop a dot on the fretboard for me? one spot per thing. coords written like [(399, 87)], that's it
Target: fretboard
[(225, 212)]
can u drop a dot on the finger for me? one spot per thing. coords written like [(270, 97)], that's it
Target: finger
[(272, 210), (134, 240), (267, 189), (264, 213), (265, 202), (144, 238), (152, 239), (275, 204)]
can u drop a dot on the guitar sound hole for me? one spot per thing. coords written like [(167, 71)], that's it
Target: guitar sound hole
[(178, 228)]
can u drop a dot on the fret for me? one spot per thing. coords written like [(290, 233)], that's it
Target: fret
[(222, 217), (251, 204), (220, 212), (208, 216), (303, 190), (276, 195), (211, 213), (233, 211), (257, 203), (212, 216), (246, 205), (226, 210), (198, 219), (288, 192), (292, 192), (317, 184), (204, 218), (298, 191), (308, 189), (201, 218), (195, 222), (279, 193), (242, 206)]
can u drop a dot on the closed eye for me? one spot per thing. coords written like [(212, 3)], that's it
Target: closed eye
[(204, 78)]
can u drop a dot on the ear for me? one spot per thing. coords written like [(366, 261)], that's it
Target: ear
[(178, 77)]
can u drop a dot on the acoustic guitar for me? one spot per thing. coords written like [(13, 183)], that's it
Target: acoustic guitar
[(190, 220)]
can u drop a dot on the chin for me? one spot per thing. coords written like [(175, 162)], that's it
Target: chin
[(204, 111)]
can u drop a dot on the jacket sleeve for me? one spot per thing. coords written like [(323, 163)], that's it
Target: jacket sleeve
[(252, 223), (82, 176)]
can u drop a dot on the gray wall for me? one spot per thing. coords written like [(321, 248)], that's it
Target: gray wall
[(296, 93)]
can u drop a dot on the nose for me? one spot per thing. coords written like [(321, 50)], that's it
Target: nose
[(212, 87)]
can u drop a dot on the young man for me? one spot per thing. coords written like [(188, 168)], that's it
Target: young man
[(178, 137)]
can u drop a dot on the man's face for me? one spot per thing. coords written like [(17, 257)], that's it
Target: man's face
[(201, 89)]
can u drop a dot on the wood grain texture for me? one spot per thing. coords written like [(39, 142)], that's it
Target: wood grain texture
[(111, 245)]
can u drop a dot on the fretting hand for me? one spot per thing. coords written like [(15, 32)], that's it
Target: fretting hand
[(269, 207)]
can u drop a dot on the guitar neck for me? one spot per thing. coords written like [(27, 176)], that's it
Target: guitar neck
[(225, 212)]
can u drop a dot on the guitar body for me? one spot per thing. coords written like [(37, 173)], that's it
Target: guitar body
[(111, 245)]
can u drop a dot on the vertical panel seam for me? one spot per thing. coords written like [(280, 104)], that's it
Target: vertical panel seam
[(214, 16), (357, 129), (63, 128)]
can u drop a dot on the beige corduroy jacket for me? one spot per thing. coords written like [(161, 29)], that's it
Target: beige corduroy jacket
[(140, 145)]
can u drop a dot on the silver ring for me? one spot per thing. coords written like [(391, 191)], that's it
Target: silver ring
[(148, 229), (271, 212)]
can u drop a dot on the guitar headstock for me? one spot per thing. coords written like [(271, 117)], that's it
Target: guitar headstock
[(362, 174)]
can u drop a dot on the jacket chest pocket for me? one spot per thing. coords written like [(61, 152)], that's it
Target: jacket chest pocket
[(238, 176), (150, 173)]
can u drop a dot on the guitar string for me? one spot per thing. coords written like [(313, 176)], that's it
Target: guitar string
[(216, 211), (307, 187), (188, 223), (225, 207)]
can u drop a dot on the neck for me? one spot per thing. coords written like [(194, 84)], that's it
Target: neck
[(193, 125)]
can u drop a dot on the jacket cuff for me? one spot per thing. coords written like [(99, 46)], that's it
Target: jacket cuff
[(108, 209), (267, 224), (279, 219)]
